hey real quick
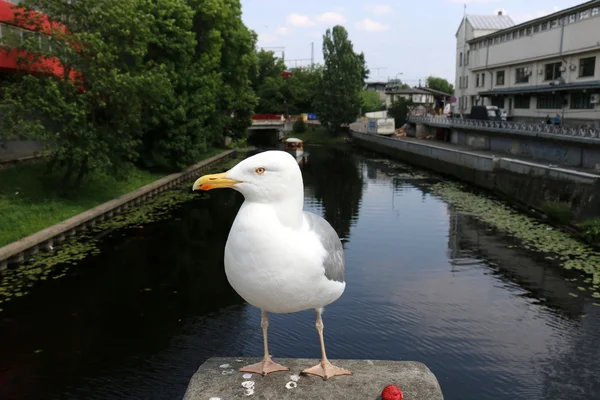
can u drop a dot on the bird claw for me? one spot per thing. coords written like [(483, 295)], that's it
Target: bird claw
[(264, 367), (326, 370)]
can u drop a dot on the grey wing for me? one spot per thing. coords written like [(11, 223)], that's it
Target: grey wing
[(334, 263)]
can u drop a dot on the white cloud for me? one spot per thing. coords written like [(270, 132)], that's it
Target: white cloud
[(369, 25), (282, 30), (331, 18), (379, 9), (300, 20)]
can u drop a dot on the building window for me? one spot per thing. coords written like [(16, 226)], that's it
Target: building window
[(587, 66), (483, 79), (521, 75), (522, 32), (536, 28), (581, 101), (572, 18), (554, 23), (530, 30), (502, 38), (468, 55), (552, 71), (584, 14), (466, 82), (522, 102), (460, 60), (477, 80), (595, 11), (499, 78), (544, 26), (549, 102), (11, 35)]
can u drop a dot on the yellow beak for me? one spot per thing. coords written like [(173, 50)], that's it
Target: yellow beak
[(214, 181)]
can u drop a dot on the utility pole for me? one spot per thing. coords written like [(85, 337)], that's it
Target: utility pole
[(312, 53)]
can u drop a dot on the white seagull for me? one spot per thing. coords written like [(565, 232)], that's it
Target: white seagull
[(278, 257)]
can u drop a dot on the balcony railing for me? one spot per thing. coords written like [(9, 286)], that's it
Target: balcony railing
[(508, 126)]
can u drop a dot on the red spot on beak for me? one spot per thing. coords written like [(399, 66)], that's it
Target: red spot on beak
[(206, 186)]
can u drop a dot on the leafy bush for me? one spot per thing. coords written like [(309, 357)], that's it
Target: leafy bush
[(591, 230), (299, 126), (558, 212)]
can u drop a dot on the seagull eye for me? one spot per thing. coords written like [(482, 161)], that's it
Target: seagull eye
[(260, 170)]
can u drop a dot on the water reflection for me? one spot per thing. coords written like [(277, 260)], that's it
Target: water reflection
[(333, 180)]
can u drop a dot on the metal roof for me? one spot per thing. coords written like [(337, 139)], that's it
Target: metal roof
[(407, 91), (490, 22)]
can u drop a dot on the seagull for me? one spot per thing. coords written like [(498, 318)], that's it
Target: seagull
[(278, 257)]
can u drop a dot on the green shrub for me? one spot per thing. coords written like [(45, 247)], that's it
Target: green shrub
[(591, 230), (558, 212), (299, 126)]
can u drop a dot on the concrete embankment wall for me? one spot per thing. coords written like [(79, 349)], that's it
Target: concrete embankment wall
[(566, 150), (525, 182)]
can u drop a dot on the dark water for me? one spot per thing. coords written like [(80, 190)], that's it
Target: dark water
[(136, 321)]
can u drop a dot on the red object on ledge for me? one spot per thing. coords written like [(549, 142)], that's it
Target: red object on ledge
[(392, 392)]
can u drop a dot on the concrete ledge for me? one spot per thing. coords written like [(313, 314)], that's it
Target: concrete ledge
[(17, 252), (218, 378)]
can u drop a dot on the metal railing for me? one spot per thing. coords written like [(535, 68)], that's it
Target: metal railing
[(585, 131)]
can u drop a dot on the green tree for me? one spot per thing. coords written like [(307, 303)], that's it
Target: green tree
[(235, 45), (174, 126), (302, 88), (370, 101), (269, 84), (441, 84), (338, 98), (91, 116), (399, 110)]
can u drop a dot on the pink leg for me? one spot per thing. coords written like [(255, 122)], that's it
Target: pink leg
[(324, 369), (266, 366)]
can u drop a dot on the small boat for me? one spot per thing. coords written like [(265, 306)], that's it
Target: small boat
[(294, 146)]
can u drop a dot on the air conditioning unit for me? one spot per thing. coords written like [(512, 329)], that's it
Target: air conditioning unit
[(595, 98)]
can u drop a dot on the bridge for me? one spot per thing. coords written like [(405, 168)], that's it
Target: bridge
[(522, 128)]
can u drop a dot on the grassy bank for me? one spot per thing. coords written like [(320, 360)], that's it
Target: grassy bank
[(30, 199)]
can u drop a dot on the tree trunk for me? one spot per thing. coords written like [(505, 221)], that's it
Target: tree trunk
[(68, 174), (83, 170)]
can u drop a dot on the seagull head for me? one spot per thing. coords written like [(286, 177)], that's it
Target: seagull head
[(269, 176)]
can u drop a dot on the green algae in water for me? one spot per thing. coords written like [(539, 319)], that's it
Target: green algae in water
[(533, 234)]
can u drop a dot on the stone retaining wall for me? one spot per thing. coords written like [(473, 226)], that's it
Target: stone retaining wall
[(17, 252), (523, 182)]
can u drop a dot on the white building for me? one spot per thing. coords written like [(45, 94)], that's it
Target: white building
[(417, 95), (545, 66)]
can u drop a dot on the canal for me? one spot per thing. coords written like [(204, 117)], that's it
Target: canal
[(428, 280)]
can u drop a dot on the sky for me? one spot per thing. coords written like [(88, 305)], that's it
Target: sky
[(409, 40)]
